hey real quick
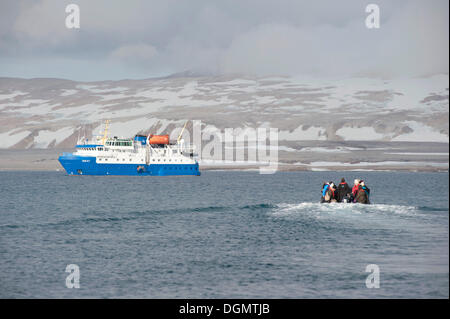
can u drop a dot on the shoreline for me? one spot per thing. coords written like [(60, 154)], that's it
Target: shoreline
[(436, 159), (405, 169)]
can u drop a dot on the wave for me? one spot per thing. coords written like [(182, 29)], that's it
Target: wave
[(133, 215), (282, 209)]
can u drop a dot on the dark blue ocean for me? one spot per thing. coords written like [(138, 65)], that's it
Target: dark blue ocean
[(222, 235)]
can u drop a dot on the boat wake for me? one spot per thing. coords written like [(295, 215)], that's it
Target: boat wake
[(344, 209)]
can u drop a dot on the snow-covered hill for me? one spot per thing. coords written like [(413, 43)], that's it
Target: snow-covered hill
[(54, 113)]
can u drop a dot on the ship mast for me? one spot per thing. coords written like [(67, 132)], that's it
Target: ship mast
[(105, 133), (179, 136)]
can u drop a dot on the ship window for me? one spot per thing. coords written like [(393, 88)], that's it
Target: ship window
[(130, 159), (106, 159)]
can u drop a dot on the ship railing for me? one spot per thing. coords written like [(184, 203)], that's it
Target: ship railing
[(184, 147)]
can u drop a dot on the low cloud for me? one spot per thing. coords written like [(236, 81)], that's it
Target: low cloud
[(147, 38), (135, 54)]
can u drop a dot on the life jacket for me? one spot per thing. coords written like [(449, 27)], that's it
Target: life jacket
[(355, 189)]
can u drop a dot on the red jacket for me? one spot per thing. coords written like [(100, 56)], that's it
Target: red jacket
[(355, 189)]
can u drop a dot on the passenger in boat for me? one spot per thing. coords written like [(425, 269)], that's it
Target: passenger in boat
[(362, 196), (325, 188), (334, 192), (355, 189), (366, 190), (329, 193), (328, 190), (342, 190)]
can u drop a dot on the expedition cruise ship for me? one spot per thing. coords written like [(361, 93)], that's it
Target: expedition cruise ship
[(152, 155)]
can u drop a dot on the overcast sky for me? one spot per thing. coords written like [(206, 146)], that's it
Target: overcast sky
[(142, 39)]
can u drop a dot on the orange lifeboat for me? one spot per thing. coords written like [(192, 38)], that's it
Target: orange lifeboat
[(158, 139)]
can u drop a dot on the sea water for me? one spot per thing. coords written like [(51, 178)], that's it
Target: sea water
[(222, 235)]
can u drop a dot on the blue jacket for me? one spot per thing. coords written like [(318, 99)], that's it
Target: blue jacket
[(324, 191)]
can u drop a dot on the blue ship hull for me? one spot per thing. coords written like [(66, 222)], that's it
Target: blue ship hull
[(84, 165)]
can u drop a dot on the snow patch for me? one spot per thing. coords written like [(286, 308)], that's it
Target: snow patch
[(421, 133), (365, 133), (11, 95), (68, 92), (45, 137), (9, 139)]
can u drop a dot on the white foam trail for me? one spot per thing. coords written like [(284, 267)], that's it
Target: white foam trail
[(317, 209)]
